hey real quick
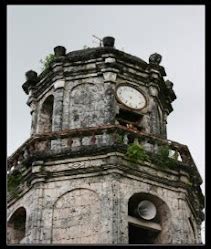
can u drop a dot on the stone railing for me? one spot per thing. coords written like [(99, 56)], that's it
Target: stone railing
[(107, 135)]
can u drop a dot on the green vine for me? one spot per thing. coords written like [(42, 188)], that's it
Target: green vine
[(46, 62)]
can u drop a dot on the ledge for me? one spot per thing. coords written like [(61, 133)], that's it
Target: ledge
[(144, 224)]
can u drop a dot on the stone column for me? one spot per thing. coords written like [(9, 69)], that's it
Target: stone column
[(59, 53), (116, 209), (109, 76), (32, 103), (164, 125), (152, 122), (34, 117), (57, 111), (198, 233), (58, 105)]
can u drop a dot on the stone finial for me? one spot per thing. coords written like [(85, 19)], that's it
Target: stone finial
[(59, 51), (108, 41), (155, 59), (31, 75), (169, 84), (31, 80)]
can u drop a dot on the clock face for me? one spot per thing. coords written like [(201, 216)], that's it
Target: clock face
[(131, 97)]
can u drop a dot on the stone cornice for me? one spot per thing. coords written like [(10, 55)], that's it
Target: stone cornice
[(80, 63), (110, 161)]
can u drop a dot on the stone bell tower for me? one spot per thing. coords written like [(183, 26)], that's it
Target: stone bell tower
[(98, 167)]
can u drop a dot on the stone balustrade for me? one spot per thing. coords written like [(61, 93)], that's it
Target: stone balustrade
[(76, 139)]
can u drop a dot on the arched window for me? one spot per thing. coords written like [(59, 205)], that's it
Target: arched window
[(148, 220), (46, 113), (16, 226)]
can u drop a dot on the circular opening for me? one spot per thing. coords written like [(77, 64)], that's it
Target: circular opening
[(146, 210)]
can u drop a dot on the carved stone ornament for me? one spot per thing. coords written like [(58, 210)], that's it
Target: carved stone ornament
[(31, 75), (155, 58), (59, 51), (169, 84), (108, 41)]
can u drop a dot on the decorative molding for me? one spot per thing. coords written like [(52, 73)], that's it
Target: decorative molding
[(59, 84), (110, 60), (109, 76), (153, 91)]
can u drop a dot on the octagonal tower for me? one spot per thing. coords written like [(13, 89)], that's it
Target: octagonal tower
[(98, 167)]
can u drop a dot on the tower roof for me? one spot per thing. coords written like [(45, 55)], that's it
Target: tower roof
[(92, 53), (153, 71)]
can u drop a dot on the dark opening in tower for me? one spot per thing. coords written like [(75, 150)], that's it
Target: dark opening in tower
[(16, 226), (139, 235), (147, 217), (129, 119), (45, 124)]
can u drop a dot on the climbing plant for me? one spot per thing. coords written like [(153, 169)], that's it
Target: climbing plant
[(47, 61), (136, 151), (162, 159)]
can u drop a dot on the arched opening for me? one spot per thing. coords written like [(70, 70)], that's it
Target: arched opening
[(16, 226), (148, 218), (46, 113)]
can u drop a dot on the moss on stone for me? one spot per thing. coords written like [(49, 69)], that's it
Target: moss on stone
[(13, 181), (161, 158)]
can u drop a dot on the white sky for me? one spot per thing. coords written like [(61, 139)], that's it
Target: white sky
[(176, 32)]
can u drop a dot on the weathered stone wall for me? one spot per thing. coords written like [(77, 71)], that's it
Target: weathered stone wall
[(86, 104), (88, 100), (77, 217), (15, 234), (172, 229), (85, 200), (91, 206), (32, 202)]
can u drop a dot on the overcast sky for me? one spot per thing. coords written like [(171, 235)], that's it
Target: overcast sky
[(176, 32)]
